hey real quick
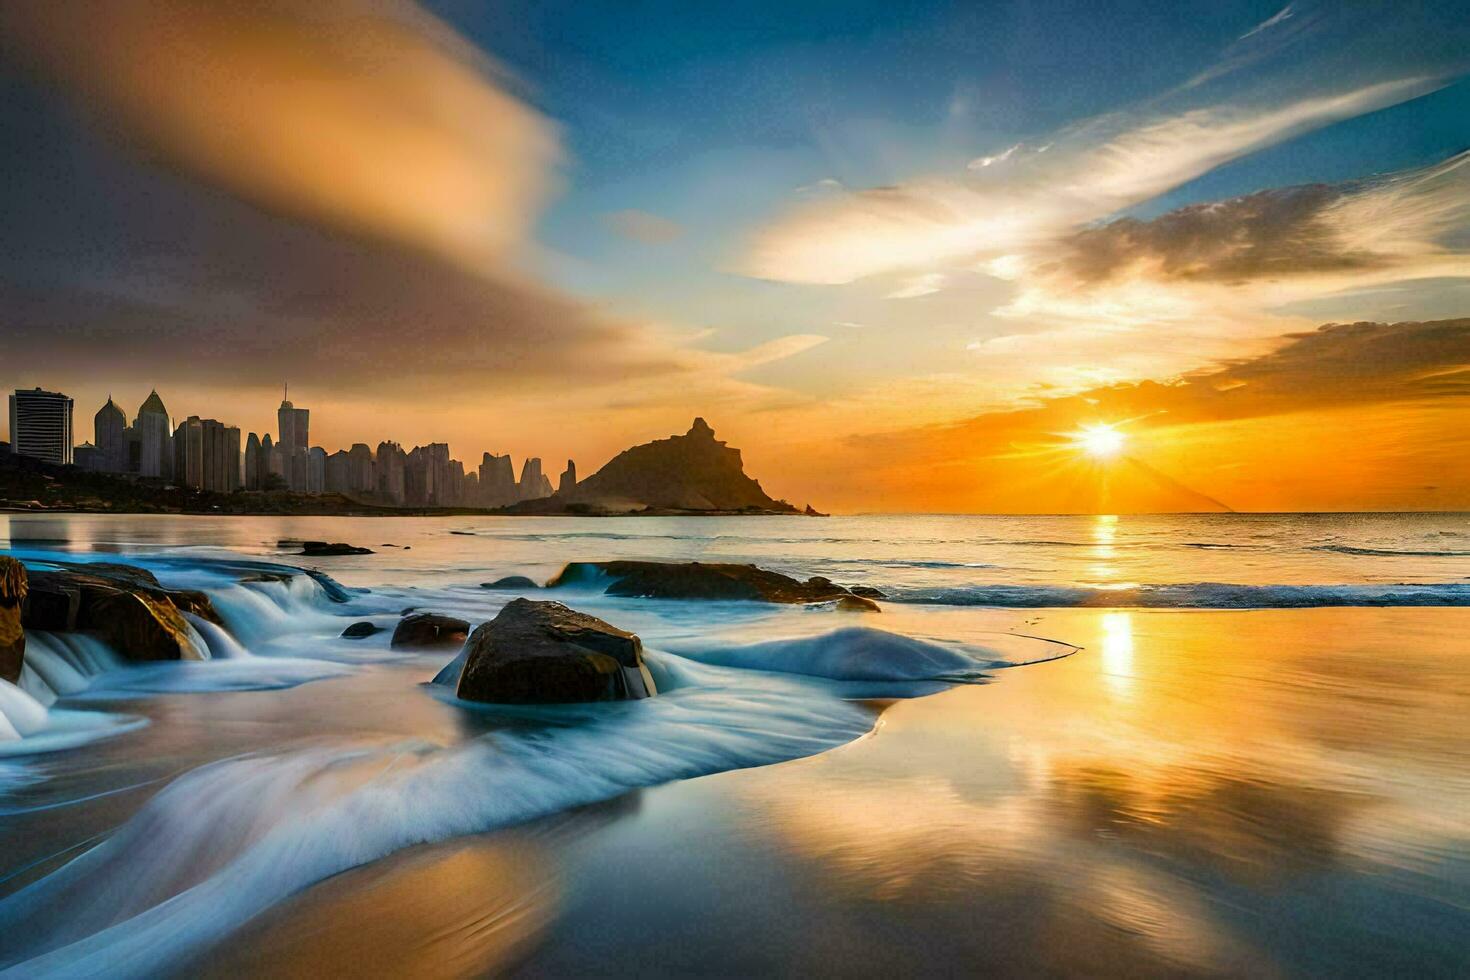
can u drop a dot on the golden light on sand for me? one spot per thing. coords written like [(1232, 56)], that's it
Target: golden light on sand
[(1100, 441)]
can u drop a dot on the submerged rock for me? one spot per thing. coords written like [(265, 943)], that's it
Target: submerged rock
[(510, 582), (429, 630), (857, 603), (359, 630), (319, 549), (696, 580), (546, 653), (13, 587), (868, 592)]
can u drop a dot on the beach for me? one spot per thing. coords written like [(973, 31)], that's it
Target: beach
[(1253, 762)]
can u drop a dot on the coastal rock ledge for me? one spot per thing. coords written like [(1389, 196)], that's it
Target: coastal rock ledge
[(698, 580), (546, 653)]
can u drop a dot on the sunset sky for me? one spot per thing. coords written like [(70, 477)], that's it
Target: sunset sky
[(899, 253)]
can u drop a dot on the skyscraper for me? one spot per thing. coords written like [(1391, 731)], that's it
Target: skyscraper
[(294, 425), (253, 476), (40, 425), (155, 438), (207, 455), (109, 435)]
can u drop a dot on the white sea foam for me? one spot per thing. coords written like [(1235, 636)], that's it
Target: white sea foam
[(860, 653), (226, 841)]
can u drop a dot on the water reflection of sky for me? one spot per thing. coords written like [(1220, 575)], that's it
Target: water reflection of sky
[(1194, 782)]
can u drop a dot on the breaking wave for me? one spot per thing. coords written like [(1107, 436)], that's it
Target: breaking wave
[(228, 840)]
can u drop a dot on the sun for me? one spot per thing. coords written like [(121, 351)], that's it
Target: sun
[(1100, 441)]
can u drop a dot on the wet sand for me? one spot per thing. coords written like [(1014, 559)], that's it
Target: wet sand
[(1261, 793)]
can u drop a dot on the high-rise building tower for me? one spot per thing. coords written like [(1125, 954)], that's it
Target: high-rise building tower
[(109, 435), (294, 425), (207, 455), (40, 425), (155, 438)]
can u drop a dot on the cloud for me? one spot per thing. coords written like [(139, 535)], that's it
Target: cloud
[(1282, 15), (916, 286), (640, 226), (334, 193), (1090, 172), (1390, 225), (368, 116), (980, 163)]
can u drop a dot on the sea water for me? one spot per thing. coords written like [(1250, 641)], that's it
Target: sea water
[(168, 806)]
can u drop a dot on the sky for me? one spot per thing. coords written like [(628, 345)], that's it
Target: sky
[(901, 254)]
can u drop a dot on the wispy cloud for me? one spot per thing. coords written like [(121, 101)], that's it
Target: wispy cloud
[(1091, 171), (1282, 15)]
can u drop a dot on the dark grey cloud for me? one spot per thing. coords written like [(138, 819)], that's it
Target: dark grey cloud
[(120, 266)]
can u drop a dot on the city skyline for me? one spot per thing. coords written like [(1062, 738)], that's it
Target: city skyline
[(211, 455)]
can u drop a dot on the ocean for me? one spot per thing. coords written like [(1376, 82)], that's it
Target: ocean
[(1146, 745)]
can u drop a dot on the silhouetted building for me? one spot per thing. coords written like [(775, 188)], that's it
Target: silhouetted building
[(207, 455), (497, 481), (316, 469), (253, 476), (388, 466), (155, 438), (86, 456), (40, 425), (110, 439)]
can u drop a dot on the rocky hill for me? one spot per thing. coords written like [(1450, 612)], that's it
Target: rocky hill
[(693, 473)]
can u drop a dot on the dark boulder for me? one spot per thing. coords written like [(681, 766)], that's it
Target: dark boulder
[(13, 587), (429, 630), (546, 653), (868, 592), (124, 605), (139, 626), (510, 582), (696, 580), (323, 549), (359, 630)]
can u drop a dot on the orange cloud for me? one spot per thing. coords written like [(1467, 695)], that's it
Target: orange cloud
[(366, 115)]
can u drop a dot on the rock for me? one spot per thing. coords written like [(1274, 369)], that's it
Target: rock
[(321, 549), (510, 582), (429, 630), (358, 630), (282, 577), (696, 580), (140, 627), (13, 588), (467, 533), (692, 472), (51, 604), (546, 653), (124, 605), (868, 592), (856, 603)]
